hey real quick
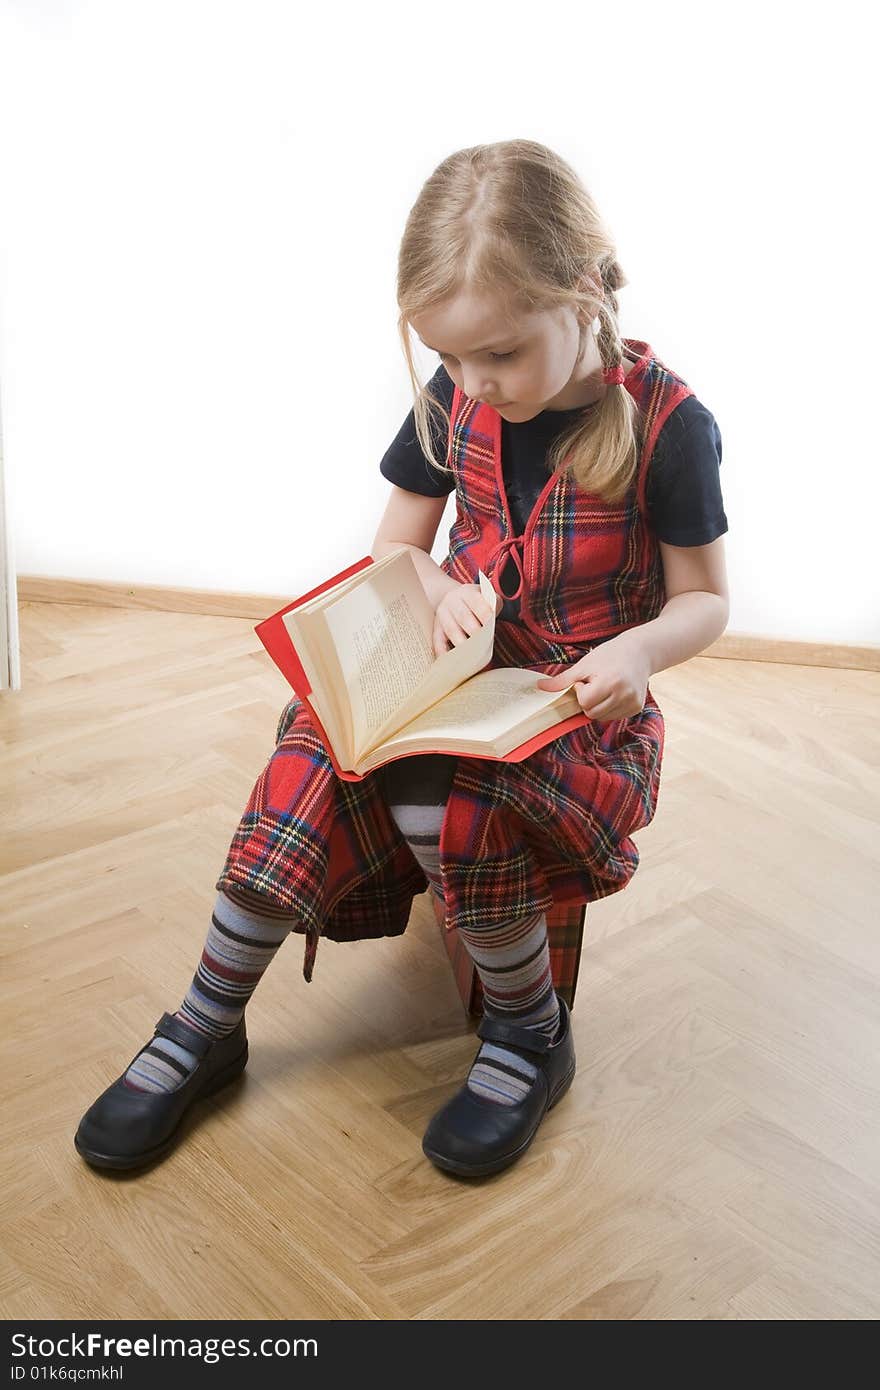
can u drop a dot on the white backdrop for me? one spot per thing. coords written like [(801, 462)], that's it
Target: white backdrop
[(10, 654), (201, 209)]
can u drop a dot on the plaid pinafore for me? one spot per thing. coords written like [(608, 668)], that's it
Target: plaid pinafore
[(516, 837)]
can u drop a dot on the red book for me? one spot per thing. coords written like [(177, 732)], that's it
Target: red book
[(358, 651)]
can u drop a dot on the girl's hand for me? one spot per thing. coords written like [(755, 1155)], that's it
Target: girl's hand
[(461, 612), (611, 682)]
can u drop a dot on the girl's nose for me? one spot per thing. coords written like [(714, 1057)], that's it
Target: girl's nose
[(479, 389)]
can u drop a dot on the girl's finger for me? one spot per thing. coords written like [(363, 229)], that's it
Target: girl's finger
[(602, 710), (454, 632), (582, 684), (441, 646), (588, 694), (467, 619)]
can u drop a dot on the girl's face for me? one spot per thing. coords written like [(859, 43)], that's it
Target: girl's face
[(538, 361)]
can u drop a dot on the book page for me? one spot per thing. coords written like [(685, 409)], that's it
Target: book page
[(333, 590), (322, 672), (382, 633), (486, 707), (320, 662), (448, 671)]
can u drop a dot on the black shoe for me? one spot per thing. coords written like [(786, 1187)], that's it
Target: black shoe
[(473, 1136), (125, 1128)]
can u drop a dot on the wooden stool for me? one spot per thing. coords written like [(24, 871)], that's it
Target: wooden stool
[(565, 935)]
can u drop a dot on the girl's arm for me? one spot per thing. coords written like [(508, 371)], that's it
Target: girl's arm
[(611, 681), (410, 522), (688, 624), (697, 605)]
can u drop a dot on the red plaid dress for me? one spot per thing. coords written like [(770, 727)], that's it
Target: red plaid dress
[(516, 837)]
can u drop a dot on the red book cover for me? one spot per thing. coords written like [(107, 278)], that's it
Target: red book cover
[(277, 641)]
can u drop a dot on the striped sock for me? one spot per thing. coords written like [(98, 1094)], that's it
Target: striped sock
[(512, 959), (245, 932), (513, 962)]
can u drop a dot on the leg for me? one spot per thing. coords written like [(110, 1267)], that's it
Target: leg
[(193, 1052), (203, 1045), (245, 933), (512, 959), (527, 1060), (416, 790), (513, 963)]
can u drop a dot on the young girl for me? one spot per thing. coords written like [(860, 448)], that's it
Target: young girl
[(586, 475)]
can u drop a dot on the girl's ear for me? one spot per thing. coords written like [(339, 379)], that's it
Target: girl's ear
[(591, 285)]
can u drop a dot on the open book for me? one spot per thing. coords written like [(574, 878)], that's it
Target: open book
[(359, 653)]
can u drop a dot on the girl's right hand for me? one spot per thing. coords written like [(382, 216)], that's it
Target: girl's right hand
[(461, 612)]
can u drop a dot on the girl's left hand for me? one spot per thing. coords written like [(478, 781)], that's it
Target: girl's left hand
[(611, 682)]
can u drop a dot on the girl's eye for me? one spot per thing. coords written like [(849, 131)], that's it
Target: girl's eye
[(499, 356)]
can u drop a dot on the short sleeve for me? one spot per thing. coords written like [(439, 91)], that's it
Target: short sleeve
[(405, 462), (685, 503)]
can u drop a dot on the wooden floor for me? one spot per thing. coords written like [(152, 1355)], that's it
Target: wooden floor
[(718, 1155)]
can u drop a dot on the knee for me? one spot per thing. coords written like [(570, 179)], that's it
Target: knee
[(253, 901), (418, 781), (417, 823)]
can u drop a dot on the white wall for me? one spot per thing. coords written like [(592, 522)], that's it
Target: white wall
[(10, 651), (202, 204)]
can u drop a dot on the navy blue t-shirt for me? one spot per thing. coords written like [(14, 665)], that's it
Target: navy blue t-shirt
[(683, 493)]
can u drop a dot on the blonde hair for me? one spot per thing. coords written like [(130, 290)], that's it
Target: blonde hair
[(514, 221)]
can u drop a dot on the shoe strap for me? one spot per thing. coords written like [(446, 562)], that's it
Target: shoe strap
[(179, 1032), (528, 1039)]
